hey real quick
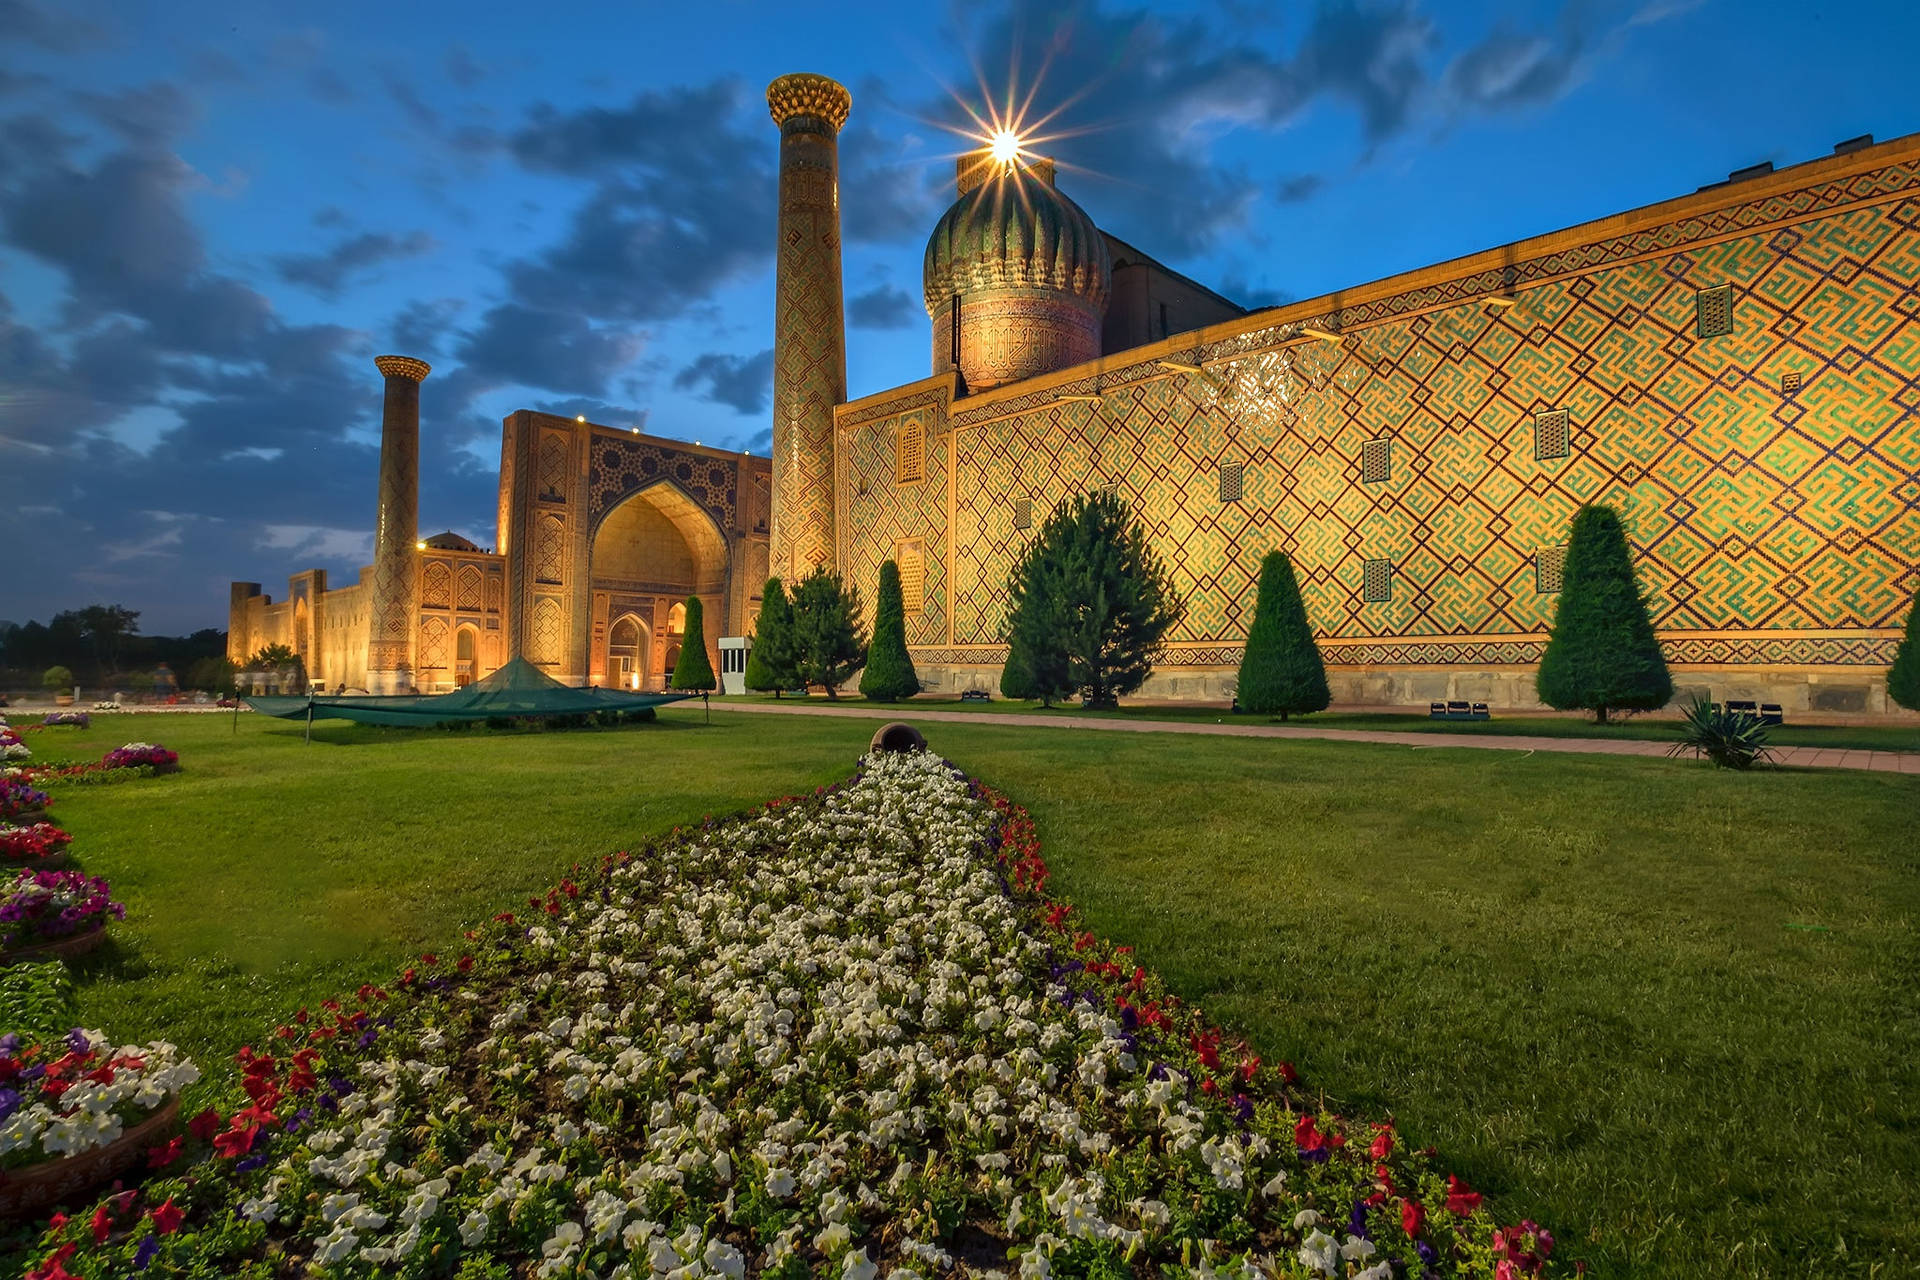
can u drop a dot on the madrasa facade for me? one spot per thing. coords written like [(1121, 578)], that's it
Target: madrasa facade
[(1736, 371)]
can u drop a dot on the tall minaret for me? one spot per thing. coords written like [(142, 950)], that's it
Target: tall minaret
[(396, 556), (809, 328)]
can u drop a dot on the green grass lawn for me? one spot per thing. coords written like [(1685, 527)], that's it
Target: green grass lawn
[(1863, 737), (1667, 1011)]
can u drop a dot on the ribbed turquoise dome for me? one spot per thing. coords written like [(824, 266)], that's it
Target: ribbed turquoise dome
[(1016, 231)]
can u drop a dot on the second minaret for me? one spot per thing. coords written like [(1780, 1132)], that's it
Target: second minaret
[(809, 343)]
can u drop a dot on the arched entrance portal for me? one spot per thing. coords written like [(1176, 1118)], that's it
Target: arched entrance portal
[(466, 647), (649, 554)]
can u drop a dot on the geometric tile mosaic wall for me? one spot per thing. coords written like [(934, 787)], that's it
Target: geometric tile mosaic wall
[(1762, 522)]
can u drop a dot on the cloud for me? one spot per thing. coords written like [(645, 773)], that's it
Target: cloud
[(145, 116), (1299, 187), (22, 22), (882, 307), (325, 273), (462, 67), (420, 327), (553, 349), (743, 382)]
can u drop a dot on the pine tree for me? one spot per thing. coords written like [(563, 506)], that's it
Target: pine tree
[(770, 659), (829, 641), (1281, 673), (1092, 603), (1903, 680), (889, 676), (1602, 655), (694, 672), (1036, 624)]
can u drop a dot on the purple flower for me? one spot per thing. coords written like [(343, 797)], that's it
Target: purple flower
[(77, 1041), (9, 1044), (9, 1101), (251, 1163), (143, 1256)]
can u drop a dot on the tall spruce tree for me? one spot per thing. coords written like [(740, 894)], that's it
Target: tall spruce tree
[(1037, 664), (1602, 655), (889, 676), (770, 660), (1092, 602), (829, 640), (1903, 680), (694, 672), (1281, 673)]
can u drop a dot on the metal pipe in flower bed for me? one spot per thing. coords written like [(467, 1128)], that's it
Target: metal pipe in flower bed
[(847, 1032)]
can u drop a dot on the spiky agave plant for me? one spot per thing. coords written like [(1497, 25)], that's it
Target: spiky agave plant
[(1731, 739)]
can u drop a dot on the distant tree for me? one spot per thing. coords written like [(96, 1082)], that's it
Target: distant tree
[(211, 675), (56, 678), (1281, 673), (1092, 591), (1602, 655), (889, 676), (770, 660), (694, 671), (829, 635), (105, 626), (1903, 680), (279, 662)]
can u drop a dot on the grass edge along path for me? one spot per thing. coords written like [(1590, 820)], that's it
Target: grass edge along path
[(1216, 1160)]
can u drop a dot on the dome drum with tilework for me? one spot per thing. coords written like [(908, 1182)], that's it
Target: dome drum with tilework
[(1025, 269)]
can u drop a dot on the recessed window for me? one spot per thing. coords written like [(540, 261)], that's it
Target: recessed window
[(911, 559), (1789, 384), (1023, 513), (1552, 431), (1231, 476), (1713, 311), (1549, 568), (1376, 461), (910, 453), (1376, 581)]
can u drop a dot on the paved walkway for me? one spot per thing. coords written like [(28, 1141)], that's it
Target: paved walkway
[(1796, 757)]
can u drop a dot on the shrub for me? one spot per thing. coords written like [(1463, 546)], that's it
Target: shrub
[(1092, 602), (56, 678), (889, 676), (1602, 655), (1016, 678), (770, 659), (829, 641), (1281, 673), (1903, 679), (1731, 739), (694, 672)]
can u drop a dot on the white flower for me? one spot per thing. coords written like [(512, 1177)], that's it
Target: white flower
[(779, 1183), (833, 1238), (473, 1228), (856, 1267)]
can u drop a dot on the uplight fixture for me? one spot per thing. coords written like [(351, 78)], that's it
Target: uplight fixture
[(1179, 366), (1081, 399), (1325, 335), (1503, 301), (581, 418)]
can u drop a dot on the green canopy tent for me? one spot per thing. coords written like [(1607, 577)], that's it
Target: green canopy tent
[(517, 689)]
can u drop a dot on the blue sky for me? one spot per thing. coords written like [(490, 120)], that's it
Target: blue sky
[(212, 215)]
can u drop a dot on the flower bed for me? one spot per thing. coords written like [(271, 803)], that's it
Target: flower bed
[(75, 719), (20, 802), (136, 755), (76, 1110), (843, 1034), (44, 908), (33, 845)]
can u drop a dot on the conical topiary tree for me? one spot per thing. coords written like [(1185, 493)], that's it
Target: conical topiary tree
[(1602, 655), (694, 672), (889, 676), (1016, 680), (1903, 681), (1281, 673), (770, 660)]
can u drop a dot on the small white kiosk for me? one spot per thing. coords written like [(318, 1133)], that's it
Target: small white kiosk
[(733, 664)]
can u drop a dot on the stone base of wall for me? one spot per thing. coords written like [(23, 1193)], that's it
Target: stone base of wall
[(1823, 691)]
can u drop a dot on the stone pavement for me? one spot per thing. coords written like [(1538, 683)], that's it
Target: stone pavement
[(1793, 757)]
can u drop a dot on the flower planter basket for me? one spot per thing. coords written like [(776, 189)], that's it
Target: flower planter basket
[(62, 699), (29, 1192), (52, 862), (60, 948)]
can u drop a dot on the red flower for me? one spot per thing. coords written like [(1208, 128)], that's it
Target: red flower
[(1382, 1145), (204, 1125), (1288, 1074), (162, 1156), (1413, 1217), (54, 1268), (234, 1143), (464, 964), (1306, 1136), (1461, 1198), (102, 1225), (167, 1218)]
